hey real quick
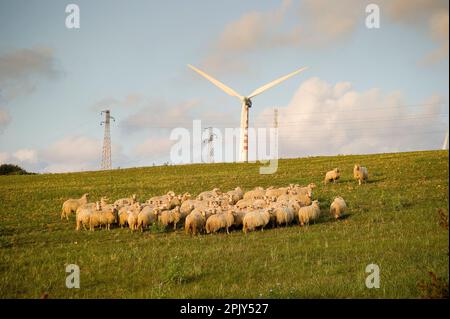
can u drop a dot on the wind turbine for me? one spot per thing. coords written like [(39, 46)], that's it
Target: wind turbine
[(445, 145), (246, 103)]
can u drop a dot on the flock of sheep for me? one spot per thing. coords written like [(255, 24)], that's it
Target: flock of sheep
[(211, 211)]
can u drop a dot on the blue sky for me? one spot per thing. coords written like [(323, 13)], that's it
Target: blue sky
[(132, 56)]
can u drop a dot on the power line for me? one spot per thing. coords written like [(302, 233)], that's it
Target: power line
[(363, 108)]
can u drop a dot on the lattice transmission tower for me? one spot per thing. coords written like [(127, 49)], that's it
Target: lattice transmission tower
[(106, 154), (210, 141)]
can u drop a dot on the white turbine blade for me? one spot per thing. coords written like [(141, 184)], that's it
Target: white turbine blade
[(273, 83), (219, 84)]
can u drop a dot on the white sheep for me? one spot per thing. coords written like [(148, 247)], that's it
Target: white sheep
[(309, 213), (307, 190), (71, 205), (244, 203), (260, 203), (83, 214), (238, 218), (209, 194), (161, 200), (126, 201), (257, 193), (235, 195), (275, 192), (338, 207), (146, 217), (218, 221), (360, 173), (132, 216), (195, 222), (301, 199), (170, 217), (284, 215), (256, 219), (103, 217), (332, 176)]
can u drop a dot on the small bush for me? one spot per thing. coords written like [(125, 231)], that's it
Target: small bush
[(174, 272), (11, 169)]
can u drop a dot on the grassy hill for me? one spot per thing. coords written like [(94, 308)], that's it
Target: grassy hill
[(393, 221)]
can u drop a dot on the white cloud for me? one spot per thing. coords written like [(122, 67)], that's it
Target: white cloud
[(26, 156), (320, 23), (326, 119), (72, 153), (4, 157)]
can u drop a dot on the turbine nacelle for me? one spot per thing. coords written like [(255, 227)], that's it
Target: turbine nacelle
[(247, 102)]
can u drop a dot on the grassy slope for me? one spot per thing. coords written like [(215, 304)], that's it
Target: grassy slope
[(392, 222)]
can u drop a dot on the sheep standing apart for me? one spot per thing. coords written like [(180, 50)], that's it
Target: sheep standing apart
[(256, 219), (218, 221), (71, 205), (338, 207), (332, 176), (360, 173), (309, 213), (195, 222), (170, 217)]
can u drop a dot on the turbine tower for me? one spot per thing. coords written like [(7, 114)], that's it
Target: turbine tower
[(106, 155), (445, 145), (246, 103)]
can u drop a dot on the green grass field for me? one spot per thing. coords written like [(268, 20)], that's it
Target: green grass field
[(393, 221)]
